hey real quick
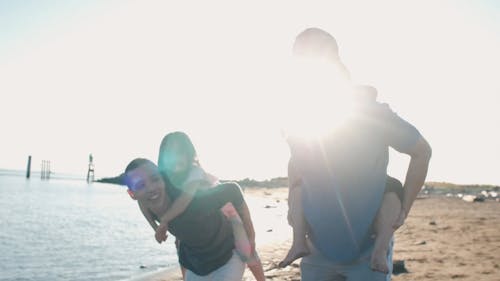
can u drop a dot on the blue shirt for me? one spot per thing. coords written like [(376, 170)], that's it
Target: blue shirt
[(344, 176)]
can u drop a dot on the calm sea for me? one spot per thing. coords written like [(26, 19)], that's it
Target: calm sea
[(70, 230), (66, 229)]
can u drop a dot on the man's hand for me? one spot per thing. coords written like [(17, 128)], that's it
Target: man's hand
[(161, 232), (401, 220)]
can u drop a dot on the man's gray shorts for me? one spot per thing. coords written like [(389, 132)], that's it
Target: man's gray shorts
[(317, 267)]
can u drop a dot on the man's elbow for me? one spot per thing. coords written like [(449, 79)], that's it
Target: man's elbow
[(422, 150), (427, 150)]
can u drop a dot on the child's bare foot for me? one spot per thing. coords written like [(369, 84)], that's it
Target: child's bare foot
[(379, 262), (294, 253)]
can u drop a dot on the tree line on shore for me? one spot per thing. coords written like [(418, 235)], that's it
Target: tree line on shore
[(283, 182)]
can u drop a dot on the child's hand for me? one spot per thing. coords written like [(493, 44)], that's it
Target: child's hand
[(161, 232)]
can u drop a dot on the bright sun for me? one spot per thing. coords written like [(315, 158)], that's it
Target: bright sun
[(319, 98)]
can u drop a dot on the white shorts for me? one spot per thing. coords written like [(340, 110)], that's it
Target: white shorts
[(232, 271)]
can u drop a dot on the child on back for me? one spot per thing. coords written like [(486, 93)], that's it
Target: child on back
[(318, 46), (383, 224), (384, 221), (178, 160), (207, 248)]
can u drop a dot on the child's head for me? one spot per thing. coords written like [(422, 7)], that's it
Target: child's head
[(177, 154), (316, 43), (144, 182)]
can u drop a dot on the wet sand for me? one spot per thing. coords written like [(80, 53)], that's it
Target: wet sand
[(443, 239)]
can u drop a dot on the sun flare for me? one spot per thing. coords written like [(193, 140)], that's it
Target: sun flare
[(319, 99)]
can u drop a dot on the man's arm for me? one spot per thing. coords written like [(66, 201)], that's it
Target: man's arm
[(405, 138), (417, 171), (148, 216), (420, 155), (294, 179), (244, 213)]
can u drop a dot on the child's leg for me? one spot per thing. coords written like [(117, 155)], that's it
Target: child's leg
[(256, 268), (241, 241), (297, 221), (384, 222)]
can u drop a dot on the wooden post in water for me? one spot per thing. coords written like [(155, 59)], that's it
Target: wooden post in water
[(42, 170), (28, 169), (45, 172), (90, 171)]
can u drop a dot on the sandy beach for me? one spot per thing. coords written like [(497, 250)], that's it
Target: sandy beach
[(443, 239)]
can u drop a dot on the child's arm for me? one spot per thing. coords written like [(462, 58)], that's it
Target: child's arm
[(178, 207), (197, 178), (180, 204), (148, 216)]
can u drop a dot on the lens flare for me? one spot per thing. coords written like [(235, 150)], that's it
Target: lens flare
[(318, 101)]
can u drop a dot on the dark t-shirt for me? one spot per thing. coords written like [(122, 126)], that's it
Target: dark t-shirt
[(206, 237)]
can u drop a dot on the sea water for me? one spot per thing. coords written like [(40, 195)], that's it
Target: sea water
[(69, 230)]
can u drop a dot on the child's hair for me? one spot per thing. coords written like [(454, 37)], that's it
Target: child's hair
[(184, 146), (134, 164)]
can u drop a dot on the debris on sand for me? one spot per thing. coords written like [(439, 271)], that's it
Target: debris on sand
[(473, 198), (398, 267)]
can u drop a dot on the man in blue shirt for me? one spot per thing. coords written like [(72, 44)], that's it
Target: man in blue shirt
[(343, 179)]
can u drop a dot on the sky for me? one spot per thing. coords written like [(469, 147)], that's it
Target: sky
[(111, 78)]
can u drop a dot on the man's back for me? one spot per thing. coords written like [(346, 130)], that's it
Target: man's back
[(344, 177)]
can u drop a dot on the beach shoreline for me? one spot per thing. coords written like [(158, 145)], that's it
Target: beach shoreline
[(173, 273)]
